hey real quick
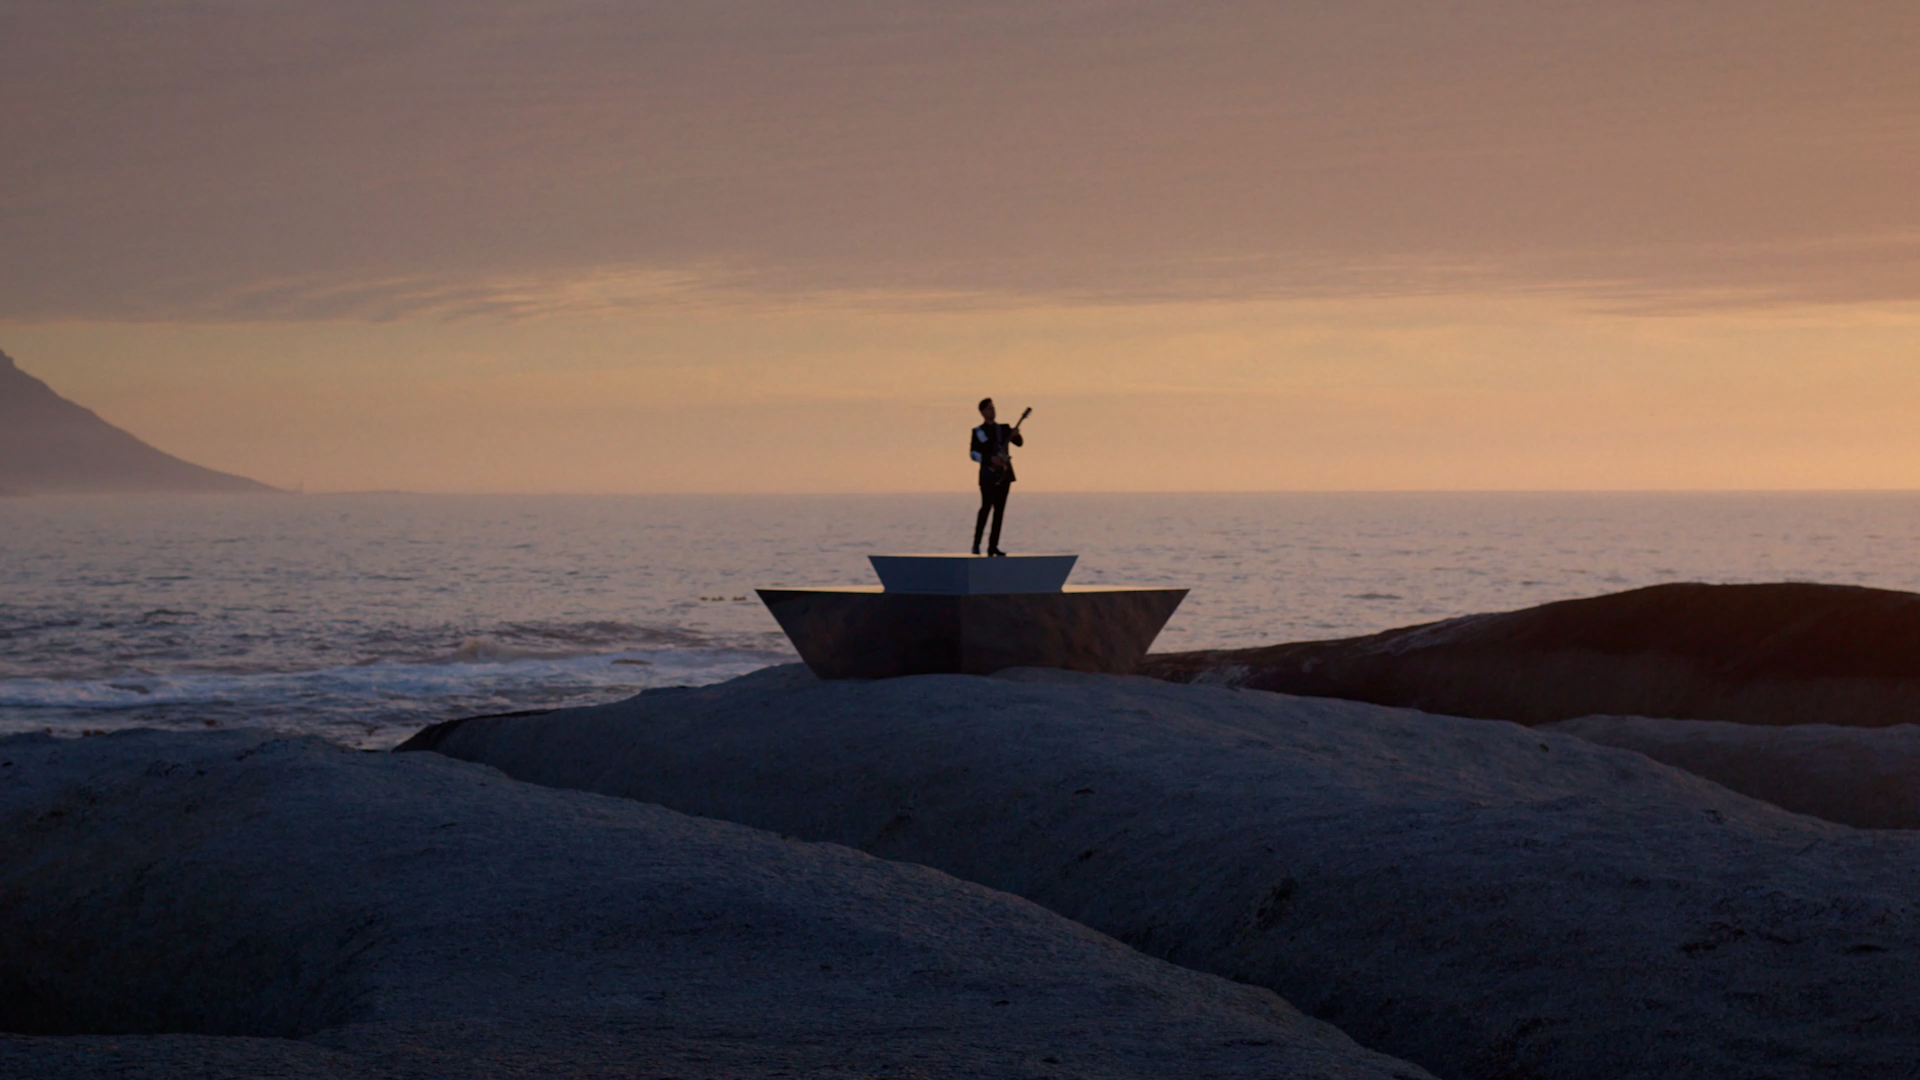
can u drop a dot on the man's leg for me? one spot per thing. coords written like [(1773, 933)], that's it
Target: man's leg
[(999, 500), (980, 519)]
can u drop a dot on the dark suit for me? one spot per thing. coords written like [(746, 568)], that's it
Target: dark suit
[(985, 443)]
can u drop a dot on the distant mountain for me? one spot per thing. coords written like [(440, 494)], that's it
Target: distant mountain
[(49, 445)]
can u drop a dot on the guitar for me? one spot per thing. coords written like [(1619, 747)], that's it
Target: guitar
[(1006, 455)]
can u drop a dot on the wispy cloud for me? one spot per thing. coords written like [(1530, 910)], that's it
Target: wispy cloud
[(1669, 280)]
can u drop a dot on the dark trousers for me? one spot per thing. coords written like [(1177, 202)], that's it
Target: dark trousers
[(993, 500)]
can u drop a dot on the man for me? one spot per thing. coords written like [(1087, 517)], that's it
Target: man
[(991, 445)]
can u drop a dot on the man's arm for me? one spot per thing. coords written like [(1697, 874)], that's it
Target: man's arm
[(1013, 434)]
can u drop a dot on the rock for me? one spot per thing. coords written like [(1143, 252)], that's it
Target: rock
[(1486, 900), (49, 445), (235, 904), (1865, 777), (1756, 654)]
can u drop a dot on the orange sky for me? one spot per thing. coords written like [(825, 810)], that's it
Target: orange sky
[(783, 245)]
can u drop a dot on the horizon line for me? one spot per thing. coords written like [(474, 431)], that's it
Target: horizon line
[(968, 492)]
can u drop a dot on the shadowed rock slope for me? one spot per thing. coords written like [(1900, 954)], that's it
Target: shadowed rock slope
[(1865, 777), (1489, 901), (50, 446), (232, 904), (1755, 654)]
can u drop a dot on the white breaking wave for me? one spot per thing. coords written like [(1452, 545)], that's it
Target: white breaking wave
[(479, 676)]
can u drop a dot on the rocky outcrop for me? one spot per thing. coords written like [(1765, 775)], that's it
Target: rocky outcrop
[(234, 904), (1756, 654), (1865, 777), (1486, 900), (49, 445)]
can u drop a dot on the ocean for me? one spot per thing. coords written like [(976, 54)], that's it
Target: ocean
[(364, 617)]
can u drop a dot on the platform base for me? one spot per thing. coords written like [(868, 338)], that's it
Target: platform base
[(972, 575), (869, 634)]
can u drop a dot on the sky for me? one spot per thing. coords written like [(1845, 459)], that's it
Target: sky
[(785, 245)]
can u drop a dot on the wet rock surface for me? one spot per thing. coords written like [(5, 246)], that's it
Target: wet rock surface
[(235, 904), (1487, 900)]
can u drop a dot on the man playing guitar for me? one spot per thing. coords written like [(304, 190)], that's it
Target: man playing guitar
[(991, 445)]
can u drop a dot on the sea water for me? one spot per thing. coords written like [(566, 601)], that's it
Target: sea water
[(364, 617)]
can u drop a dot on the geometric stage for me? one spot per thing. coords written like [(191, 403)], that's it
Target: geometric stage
[(868, 633)]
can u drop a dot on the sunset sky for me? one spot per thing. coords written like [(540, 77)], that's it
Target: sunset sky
[(781, 245)]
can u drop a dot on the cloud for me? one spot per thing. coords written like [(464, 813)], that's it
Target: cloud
[(302, 160)]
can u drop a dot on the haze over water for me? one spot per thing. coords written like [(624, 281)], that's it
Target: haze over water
[(363, 617)]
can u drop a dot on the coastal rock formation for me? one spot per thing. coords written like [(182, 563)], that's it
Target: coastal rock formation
[(235, 904), (1755, 654), (1484, 899), (51, 446), (1865, 777)]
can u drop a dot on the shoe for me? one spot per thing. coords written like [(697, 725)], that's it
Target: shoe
[(976, 549), (996, 551)]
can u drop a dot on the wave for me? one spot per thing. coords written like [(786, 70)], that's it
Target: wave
[(476, 663), (607, 633), (486, 650), (373, 704), (177, 642)]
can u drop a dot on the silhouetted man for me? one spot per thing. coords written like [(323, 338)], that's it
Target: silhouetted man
[(990, 445)]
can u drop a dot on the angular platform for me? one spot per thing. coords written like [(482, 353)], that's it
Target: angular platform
[(867, 633), (972, 575), (970, 614)]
